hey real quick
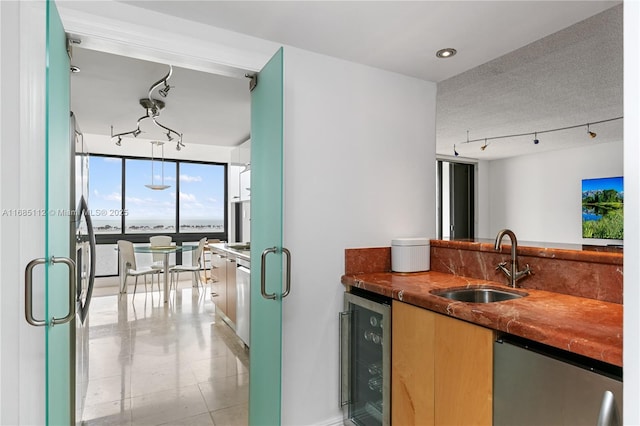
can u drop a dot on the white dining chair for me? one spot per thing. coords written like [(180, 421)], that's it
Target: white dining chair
[(195, 269), (158, 258), (128, 267)]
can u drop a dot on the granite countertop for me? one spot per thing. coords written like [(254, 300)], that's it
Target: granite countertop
[(588, 327)]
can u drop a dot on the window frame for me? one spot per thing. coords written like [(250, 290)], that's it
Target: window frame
[(178, 237)]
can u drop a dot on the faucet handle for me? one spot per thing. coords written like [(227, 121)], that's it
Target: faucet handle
[(527, 270), (503, 265)]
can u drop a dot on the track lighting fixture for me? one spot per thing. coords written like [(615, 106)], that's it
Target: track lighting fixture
[(536, 141), (454, 150), (165, 91), (153, 107)]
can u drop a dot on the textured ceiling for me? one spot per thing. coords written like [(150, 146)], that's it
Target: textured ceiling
[(572, 77)]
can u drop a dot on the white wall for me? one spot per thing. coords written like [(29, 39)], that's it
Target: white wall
[(22, 73), (539, 196), (359, 171)]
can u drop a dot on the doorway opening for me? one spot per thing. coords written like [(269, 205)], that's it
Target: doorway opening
[(455, 200), (148, 361)]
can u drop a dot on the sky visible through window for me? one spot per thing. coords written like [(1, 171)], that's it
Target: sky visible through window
[(105, 194), (154, 211), (201, 197)]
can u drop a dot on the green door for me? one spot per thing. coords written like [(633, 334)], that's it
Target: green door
[(267, 121), (59, 272)]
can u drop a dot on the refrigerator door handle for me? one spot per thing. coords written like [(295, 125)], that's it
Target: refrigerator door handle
[(83, 211), (345, 325), (608, 412)]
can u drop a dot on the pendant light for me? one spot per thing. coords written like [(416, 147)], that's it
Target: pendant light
[(162, 186)]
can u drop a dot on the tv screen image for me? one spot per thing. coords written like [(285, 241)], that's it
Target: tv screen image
[(602, 208)]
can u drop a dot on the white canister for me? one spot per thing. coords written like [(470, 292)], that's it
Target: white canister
[(410, 254)]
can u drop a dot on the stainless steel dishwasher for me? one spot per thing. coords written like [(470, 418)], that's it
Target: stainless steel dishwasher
[(538, 385)]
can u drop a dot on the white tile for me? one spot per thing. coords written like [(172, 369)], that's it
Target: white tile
[(109, 413), (167, 406), (155, 363)]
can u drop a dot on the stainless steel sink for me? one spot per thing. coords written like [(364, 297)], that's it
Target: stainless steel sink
[(478, 294)]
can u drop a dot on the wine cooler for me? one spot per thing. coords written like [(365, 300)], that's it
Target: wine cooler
[(365, 359)]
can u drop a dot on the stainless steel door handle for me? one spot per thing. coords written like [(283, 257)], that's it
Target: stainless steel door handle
[(28, 291), (608, 415), (287, 288), (345, 322), (263, 274), (72, 290)]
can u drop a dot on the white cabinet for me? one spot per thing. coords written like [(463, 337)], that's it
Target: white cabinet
[(234, 183), (245, 185), (240, 173)]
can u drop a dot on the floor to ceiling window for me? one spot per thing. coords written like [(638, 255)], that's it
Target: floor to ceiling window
[(123, 206)]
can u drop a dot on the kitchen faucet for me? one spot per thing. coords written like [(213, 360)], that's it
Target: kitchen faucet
[(513, 274)]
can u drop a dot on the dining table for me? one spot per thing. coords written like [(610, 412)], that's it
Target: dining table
[(166, 251)]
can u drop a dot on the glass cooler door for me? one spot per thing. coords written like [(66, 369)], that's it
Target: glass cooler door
[(365, 361)]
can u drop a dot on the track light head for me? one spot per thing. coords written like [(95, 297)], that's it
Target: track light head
[(169, 137), (119, 141), (591, 134), (136, 133), (454, 150), (164, 91), (483, 147), (535, 139)]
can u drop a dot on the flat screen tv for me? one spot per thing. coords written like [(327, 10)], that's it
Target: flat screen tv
[(602, 208)]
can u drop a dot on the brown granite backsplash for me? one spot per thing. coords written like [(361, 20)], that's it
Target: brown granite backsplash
[(591, 274)]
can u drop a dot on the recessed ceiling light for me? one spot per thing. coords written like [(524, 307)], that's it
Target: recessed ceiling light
[(74, 69), (446, 53)]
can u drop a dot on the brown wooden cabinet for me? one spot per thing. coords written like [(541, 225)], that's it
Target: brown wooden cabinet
[(442, 369), (223, 271)]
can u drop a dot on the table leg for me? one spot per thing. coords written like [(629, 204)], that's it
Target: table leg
[(166, 277)]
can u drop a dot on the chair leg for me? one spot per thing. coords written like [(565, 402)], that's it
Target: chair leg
[(135, 286), (198, 281), (123, 289)]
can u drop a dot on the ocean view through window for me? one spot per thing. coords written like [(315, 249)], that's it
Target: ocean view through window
[(118, 195), (201, 197), (105, 194), (148, 210)]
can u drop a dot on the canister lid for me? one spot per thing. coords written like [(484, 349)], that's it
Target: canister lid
[(420, 241)]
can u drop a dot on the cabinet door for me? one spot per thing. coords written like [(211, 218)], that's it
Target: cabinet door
[(463, 373), (231, 289), (412, 361), (245, 185), (234, 183), (219, 271)]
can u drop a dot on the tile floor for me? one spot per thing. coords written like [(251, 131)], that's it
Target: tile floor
[(152, 363)]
